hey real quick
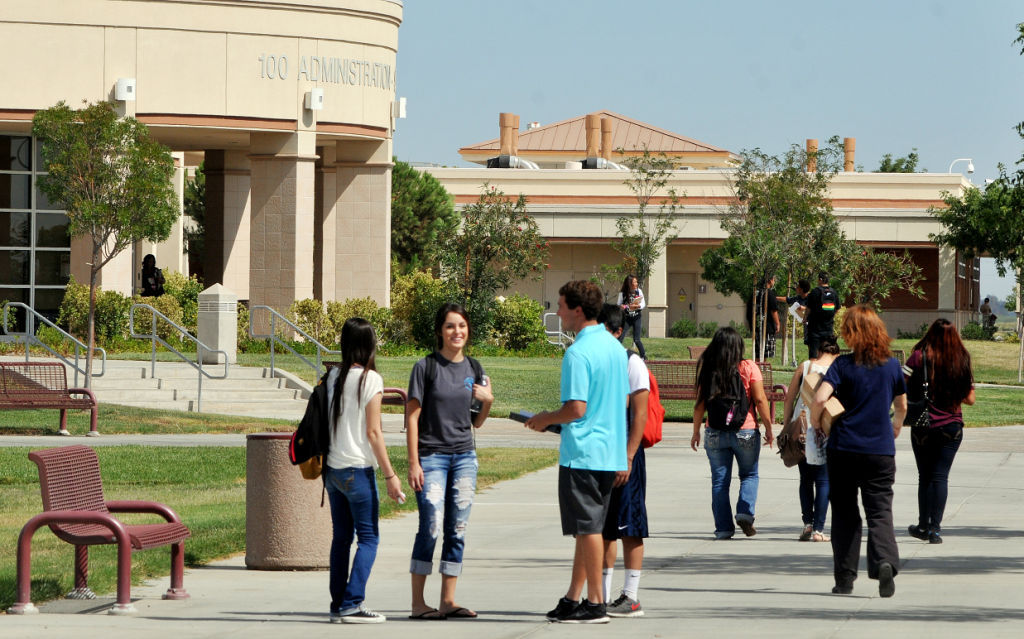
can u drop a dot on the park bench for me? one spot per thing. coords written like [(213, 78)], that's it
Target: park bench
[(29, 385), (392, 396), (76, 512), (678, 380)]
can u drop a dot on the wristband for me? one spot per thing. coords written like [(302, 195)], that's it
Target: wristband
[(390, 476)]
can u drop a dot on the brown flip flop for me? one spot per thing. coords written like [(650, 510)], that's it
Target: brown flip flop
[(460, 613), (431, 614)]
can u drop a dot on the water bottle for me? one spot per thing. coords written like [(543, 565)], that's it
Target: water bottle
[(475, 406)]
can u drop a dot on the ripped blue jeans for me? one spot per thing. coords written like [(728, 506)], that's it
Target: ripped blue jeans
[(449, 484)]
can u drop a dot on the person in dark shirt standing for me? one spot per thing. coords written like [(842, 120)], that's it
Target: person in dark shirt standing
[(821, 311), (767, 311)]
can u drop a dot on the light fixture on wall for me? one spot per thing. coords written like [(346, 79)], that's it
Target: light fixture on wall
[(315, 99), (969, 161), (124, 90)]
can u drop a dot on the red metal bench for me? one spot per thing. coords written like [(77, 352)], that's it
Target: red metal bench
[(678, 380), (29, 385), (75, 510)]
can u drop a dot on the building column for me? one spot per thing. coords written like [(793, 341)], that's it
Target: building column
[(947, 283), (363, 221), (281, 230), (657, 297), (228, 213), (325, 231)]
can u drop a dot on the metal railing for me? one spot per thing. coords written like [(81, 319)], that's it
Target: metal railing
[(28, 338), (554, 332), (318, 367), (201, 348)]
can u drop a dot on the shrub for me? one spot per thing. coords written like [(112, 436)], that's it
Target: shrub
[(517, 322), (309, 315), (168, 306), (974, 330), (415, 298), (917, 333), (54, 340), (111, 315), (707, 329), (186, 291), (684, 327), (1012, 337), (390, 331), (339, 312), (741, 328), (73, 315)]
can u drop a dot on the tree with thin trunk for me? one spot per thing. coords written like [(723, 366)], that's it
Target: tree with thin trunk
[(113, 181)]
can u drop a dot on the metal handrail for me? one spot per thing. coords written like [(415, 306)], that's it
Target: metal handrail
[(200, 348), (274, 315), (556, 335), (28, 337)]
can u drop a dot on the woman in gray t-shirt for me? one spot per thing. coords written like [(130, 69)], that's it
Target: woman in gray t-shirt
[(448, 396)]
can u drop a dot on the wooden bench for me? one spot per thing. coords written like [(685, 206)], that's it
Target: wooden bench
[(677, 379), (29, 385), (75, 510)]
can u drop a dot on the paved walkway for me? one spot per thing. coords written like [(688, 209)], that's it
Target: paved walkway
[(517, 564)]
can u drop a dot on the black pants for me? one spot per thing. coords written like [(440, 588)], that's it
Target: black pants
[(813, 341), (636, 324), (873, 476), (934, 450)]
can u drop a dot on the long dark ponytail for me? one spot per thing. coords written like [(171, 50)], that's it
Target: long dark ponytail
[(358, 347), (718, 363)]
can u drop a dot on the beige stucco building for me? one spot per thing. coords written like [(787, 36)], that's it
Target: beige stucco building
[(290, 102), (576, 210)]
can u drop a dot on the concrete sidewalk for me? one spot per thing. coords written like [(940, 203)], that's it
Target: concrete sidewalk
[(517, 565)]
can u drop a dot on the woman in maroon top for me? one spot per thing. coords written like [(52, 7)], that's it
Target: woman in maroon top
[(950, 384)]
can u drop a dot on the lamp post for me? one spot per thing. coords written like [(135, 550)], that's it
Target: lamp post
[(969, 161)]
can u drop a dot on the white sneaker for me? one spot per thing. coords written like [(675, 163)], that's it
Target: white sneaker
[(360, 615)]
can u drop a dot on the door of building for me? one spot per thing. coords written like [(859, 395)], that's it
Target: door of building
[(682, 297)]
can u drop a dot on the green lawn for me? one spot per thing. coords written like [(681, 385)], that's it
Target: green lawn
[(205, 486)]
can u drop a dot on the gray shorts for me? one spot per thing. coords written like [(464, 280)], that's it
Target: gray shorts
[(583, 498)]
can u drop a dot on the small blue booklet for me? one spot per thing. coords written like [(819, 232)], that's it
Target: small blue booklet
[(524, 415)]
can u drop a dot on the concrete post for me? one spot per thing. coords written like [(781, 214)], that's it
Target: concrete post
[(218, 323)]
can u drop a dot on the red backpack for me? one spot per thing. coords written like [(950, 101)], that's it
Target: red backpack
[(655, 414)]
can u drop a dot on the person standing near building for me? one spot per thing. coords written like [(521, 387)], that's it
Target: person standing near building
[(152, 278), (627, 514), (822, 304), (766, 309), (987, 318), (632, 302), (592, 454)]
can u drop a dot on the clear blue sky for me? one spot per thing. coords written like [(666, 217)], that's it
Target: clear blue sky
[(939, 76)]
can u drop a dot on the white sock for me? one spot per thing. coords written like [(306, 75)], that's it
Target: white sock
[(607, 575), (632, 583)]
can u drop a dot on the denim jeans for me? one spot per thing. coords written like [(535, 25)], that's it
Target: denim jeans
[(635, 323), (721, 446), (449, 484), (814, 494), (354, 509), (934, 453)]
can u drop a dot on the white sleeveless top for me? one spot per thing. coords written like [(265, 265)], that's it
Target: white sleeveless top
[(814, 451)]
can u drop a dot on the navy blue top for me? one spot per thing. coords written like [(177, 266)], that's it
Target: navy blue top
[(866, 394)]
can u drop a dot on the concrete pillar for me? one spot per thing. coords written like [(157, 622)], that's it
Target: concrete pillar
[(506, 124), (657, 298), (363, 220), (593, 132), (947, 281), (281, 229), (217, 323), (228, 220), (812, 155), (849, 151), (325, 227), (607, 130)]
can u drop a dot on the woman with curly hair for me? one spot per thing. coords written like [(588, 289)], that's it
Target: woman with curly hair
[(861, 452), (941, 355)]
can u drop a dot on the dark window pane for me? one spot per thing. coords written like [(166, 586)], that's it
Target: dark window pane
[(53, 267), (15, 153), (15, 191), (13, 267), (51, 230), (15, 228), (43, 203), (17, 314), (48, 302)]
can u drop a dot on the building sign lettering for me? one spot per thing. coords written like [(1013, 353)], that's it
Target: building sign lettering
[(329, 70)]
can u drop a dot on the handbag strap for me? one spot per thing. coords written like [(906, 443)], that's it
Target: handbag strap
[(924, 385)]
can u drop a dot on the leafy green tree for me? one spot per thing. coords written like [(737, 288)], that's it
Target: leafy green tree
[(644, 236), (113, 180), (195, 209), (906, 164), (496, 244), (420, 209), (874, 274)]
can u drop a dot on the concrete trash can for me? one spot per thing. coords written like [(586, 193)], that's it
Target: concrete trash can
[(285, 527)]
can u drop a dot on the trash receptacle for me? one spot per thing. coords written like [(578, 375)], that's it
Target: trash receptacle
[(285, 527)]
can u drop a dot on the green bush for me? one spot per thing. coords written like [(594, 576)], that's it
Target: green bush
[(309, 315), (707, 329), (339, 312), (917, 333), (974, 330), (186, 291), (684, 327), (740, 328), (517, 322), (391, 332), (415, 298), (168, 306), (73, 315)]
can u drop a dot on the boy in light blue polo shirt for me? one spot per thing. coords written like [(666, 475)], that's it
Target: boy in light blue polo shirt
[(592, 456)]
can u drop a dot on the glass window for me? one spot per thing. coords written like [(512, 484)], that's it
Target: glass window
[(48, 302), (15, 228), (15, 191), (53, 267), (15, 153), (51, 230), (43, 203), (17, 314), (14, 267)]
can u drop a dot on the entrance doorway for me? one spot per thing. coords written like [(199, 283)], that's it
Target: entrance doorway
[(682, 297)]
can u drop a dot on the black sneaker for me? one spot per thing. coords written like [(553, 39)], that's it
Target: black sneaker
[(625, 607), (918, 532), (586, 612), (886, 584), (564, 607)]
